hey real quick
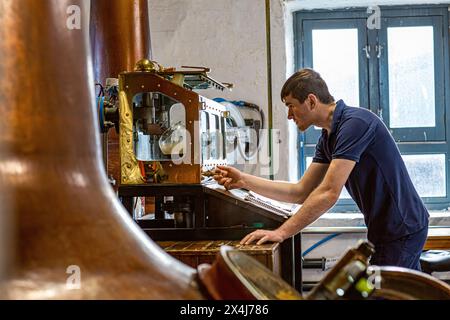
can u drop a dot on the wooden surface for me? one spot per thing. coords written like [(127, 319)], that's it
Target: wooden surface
[(64, 213), (194, 253), (438, 239)]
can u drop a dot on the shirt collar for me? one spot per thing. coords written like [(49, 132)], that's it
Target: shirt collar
[(337, 115)]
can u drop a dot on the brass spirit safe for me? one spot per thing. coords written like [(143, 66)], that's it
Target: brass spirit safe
[(168, 132)]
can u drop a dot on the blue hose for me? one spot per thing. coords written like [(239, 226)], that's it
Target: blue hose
[(318, 243)]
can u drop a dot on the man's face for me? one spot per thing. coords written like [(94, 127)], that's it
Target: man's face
[(300, 113)]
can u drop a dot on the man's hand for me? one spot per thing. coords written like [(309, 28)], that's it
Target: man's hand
[(229, 177), (263, 236)]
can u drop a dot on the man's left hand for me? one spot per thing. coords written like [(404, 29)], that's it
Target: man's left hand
[(262, 236)]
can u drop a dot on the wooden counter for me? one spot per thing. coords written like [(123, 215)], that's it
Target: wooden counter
[(438, 239), (194, 253)]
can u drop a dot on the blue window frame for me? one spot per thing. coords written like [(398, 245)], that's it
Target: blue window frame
[(399, 71)]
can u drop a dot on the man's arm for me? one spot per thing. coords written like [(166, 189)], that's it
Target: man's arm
[(319, 201), (287, 191), (279, 190)]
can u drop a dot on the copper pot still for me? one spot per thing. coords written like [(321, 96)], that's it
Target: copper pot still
[(72, 239)]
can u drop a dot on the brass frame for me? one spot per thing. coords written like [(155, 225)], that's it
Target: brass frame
[(132, 83)]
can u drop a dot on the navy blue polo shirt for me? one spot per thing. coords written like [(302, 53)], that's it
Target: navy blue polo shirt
[(379, 182)]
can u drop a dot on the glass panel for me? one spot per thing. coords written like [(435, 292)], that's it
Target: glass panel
[(411, 77), (159, 129), (335, 57), (344, 192), (214, 137), (204, 123), (427, 173)]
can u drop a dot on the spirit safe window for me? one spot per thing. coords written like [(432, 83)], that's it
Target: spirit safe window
[(212, 136), (159, 129)]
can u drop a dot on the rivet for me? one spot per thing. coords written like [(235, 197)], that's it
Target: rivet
[(142, 86), (174, 93), (127, 114), (159, 85)]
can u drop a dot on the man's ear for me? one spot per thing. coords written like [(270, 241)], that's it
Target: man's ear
[(313, 101)]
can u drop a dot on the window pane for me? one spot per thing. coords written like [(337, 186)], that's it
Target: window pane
[(427, 173), (411, 77), (335, 57), (344, 193)]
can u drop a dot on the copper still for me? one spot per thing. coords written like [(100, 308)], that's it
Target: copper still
[(72, 237)]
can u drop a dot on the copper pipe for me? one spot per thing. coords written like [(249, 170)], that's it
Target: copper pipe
[(120, 36), (68, 220)]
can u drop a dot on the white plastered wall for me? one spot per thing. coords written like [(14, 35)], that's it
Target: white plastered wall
[(229, 36)]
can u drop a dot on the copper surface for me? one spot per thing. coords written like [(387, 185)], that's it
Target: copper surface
[(406, 284), (51, 174), (120, 36), (234, 275)]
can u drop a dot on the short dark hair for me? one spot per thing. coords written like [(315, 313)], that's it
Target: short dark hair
[(304, 82)]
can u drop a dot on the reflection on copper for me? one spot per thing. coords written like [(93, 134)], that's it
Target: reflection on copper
[(48, 127), (13, 167)]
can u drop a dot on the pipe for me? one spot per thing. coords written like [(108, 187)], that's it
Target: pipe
[(120, 36), (269, 85)]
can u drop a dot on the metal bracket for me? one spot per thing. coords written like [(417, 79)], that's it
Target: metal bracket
[(378, 48), (366, 49)]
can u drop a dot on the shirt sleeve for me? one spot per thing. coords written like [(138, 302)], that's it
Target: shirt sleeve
[(320, 155), (352, 139)]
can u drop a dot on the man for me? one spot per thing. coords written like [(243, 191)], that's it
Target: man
[(355, 150)]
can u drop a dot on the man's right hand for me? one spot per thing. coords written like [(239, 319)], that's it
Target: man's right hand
[(229, 177)]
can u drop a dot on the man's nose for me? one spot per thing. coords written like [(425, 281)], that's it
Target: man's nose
[(290, 116)]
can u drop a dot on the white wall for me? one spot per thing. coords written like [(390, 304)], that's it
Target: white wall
[(229, 36)]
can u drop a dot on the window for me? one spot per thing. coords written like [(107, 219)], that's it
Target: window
[(399, 71)]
